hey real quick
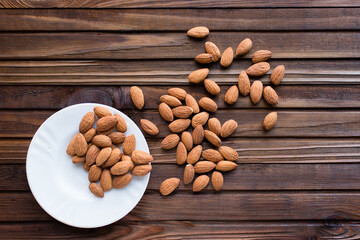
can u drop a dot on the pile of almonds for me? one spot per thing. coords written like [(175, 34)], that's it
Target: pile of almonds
[(98, 150)]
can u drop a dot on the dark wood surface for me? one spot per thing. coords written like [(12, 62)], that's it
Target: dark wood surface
[(298, 181)]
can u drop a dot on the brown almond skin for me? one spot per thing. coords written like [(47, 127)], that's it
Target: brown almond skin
[(140, 157), (103, 155), (181, 154), (211, 87), (225, 166), (77, 159), (102, 112), (70, 150), (194, 155), (168, 186), (212, 49), (270, 120), (129, 144), (86, 167), (91, 155), (141, 170), (120, 168), (256, 91), (166, 112), (107, 132), (117, 137), (261, 56), (189, 174), (190, 101), (170, 100), (208, 104), (113, 158), (94, 173), (198, 134), (277, 75), (90, 134), (179, 93), (200, 183), (258, 69), (271, 96), (212, 155), (200, 119), (244, 83), (101, 141), (199, 75), (137, 97), (198, 32), (204, 58), (179, 125), (121, 181), (128, 158), (80, 145), (232, 95), (182, 111), (228, 153), (96, 189), (149, 127), (227, 57), (87, 122), (228, 128), (187, 140), (244, 47), (214, 125), (106, 180), (217, 180), (121, 124), (170, 141), (212, 138), (204, 166)]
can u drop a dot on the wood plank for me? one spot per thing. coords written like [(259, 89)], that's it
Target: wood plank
[(235, 206), (272, 150), (98, 45), (57, 97), (187, 230), (175, 4), (277, 19), (247, 177), (290, 123), (157, 72)]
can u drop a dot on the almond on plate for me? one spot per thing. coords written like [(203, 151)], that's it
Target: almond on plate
[(80, 145), (212, 49), (129, 144), (271, 96), (232, 95), (204, 166), (228, 153), (198, 134), (190, 101), (228, 128), (87, 122), (261, 56), (199, 75), (77, 159), (122, 180), (258, 69), (140, 157), (181, 154), (149, 127), (244, 83), (166, 112), (199, 119), (90, 134), (179, 125), (277, 74), (117, 137), (168, 186), (194, 155), (182, 111), (128, 158), (114, 157), (204, 58), (256, 91), (198, 32), (102, 112), (70, 150), (208, 104), (212, 155), (270, 120), (214, 125), (189, 174), (106, 180), (200, 183), (212, 138), (101, 141), (106, 123), (226, 166), (94, 173), (244, 47), (170, 100), (96, 189), (170, 141), (227, 57), (141, 170), (120, 168), (187, 140), (179, 93), (103, 155), (211, 87), (91, 155), (121, 124), (137, 97), (217, 180)]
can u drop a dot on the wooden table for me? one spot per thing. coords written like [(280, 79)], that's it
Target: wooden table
[(299, 181)]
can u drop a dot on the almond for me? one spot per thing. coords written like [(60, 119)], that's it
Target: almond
[(204, 58), (208, 104), (87, 122), (170, 141), (212, 155), (271, 96), (101, 141), (179, 93), (120, 168), (270, 120), (258, 69), (277, 74), (106, 180), (137, 97), (90, 134), (200, 183), (170, 100), (226, 166), (121, 124), (190, 101), (228, 128), (113, 158), (128, 158), (179, 125), (256, 91), (228, 153), (198, 76), (129, 144), (140, 157), (121, 181), (198, 32), (194, 155), (141, 170), (165, 112), (77, 159), (212, 138), (198, 134), (86, 167), (106, 123), (80, 145), (94, 173), (214, 125), (227, 57), (96, 189), (168, 186), (232, 95), (212, 49), (187, 140), (182, 111), (149, 127), (217, 180), (189, 174), (103, 155), (107, 132), (117, 137), (244, 47), (92, 154), (200, 119), (70, 150), (181, 154), (261, 56), (244, 83), (211, 87), (102, 112)]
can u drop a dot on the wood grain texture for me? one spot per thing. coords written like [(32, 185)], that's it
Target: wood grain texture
[(312, 124), (187, 230), (273, 150), (174, 72), (241, 206), (173, 4), (179, 19), (246, 177), (291, 96), (99, 45)]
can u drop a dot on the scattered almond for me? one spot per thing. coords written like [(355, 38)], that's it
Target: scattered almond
[(141, 170), (117, 137), (106, 123), (179, 93), (227, 57), (91, 155), (244, 83), (187, 140), (120, 168), (212, 155), (204, 58), (90, 134), (228, 128), (87, 122), (168, 186), (271, 96), (244, 47), (140, 157), (189, 174), (226, 166), (198, 134), (181, 154), (149, 127), (103, 155), (106, 180), (80, 145), (94, 173), (101, 141), (228, 153), (261, 56), (212, 49), (102, 112), (211, 87), (214, 125), (182, 111), (198, 76), (270, 120), (179, 125), (217, 180), (137, 97), (208, 104), (232, 95), (121, 124), (70, 150), (200, 119), (170, 141), (190, 101), (170, 100), (96, 189), (194, 155), (212, 138), (277, 74), (200, 183), (258, 69), (165, 112), (198, 32), (204, 166), (256, 91), (129, 144), (121, 181)]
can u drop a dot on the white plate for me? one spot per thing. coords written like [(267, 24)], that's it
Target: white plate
[(62, 188)]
